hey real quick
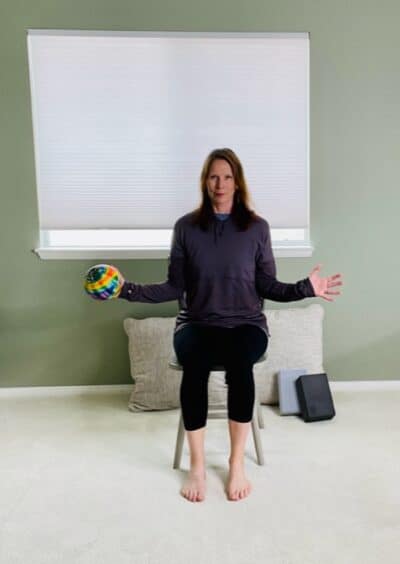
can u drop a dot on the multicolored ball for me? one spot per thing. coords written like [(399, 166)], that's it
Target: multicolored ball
[(103, 282)]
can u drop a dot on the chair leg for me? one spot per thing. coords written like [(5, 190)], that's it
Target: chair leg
[(179, 443), (257, 440), (260, 416)]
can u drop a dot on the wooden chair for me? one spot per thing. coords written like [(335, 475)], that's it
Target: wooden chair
[(217, 412)]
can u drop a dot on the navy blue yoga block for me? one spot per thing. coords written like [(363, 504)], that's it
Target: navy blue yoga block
[(315, 398)]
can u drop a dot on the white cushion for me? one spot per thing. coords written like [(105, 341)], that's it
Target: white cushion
[(296, 340), (156, 385)]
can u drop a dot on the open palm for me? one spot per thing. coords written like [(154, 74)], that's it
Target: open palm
[(323, 286)]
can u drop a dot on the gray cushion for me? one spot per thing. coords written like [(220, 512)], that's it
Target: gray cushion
[(288, 400)]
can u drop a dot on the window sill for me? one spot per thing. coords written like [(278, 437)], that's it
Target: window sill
[(77, 253)]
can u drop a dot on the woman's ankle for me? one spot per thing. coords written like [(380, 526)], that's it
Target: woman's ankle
[(236, 461), (197, 471), (197, 465)]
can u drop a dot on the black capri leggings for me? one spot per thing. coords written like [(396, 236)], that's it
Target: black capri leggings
[(198, 348)]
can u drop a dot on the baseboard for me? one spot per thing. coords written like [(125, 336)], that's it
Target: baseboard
[(336, 385), (64, 390), (355, 385)]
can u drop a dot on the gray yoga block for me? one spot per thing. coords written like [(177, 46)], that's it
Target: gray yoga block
[(288, 402)]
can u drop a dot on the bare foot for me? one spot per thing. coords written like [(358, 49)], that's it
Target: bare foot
[(238, 486), (194, 488)]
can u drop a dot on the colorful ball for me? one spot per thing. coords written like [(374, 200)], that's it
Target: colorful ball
[(103, 282)]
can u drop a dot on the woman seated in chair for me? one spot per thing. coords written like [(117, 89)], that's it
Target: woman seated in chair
[(221, 267)]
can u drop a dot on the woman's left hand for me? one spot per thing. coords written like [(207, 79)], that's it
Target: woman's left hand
[(322, 286)]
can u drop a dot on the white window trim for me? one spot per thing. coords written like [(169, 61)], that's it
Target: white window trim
[(71, 253), (155, 246)]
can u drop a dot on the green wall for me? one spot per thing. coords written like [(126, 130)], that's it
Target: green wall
[(52, 334)]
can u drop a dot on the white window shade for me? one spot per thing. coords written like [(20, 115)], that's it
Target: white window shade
[(124, 120)]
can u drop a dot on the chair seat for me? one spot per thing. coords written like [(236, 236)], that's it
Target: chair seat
[(174, 363)]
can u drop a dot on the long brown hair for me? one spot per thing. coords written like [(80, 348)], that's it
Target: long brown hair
[(241, 213)]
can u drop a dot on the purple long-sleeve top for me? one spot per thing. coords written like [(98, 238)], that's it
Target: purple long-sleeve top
[(220, 276)]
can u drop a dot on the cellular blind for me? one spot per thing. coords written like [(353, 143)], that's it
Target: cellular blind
[(123, 121)]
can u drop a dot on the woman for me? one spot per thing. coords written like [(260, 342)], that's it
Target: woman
[(221, 267)]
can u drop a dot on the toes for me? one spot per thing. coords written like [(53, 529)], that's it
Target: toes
[(192, 495), (199, 497), (187, 494), (236, 495)]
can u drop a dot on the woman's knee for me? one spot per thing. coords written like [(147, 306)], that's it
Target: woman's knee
[(249, 344), (190, 347)]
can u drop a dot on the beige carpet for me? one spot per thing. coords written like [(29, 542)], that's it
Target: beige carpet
[(83, 480)]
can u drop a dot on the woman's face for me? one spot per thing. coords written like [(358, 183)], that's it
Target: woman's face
[(221, 186)]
